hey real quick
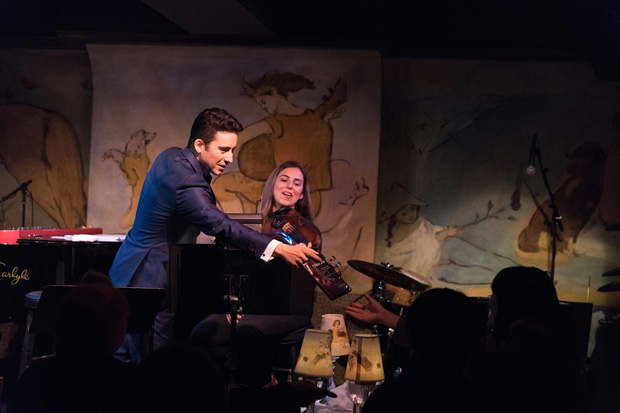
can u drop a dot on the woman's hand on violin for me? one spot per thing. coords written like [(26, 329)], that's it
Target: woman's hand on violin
[(296, 254)]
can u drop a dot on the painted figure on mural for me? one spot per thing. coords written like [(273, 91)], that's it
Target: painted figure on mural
[(53, 161), (288, 132), (134, 163), (416, 245), (413, 242), (576, 200)]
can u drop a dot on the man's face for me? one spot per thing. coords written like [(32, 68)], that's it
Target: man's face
[(218, 153)]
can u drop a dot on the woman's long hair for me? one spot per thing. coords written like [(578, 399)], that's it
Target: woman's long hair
[(283, 83), (303, 206)]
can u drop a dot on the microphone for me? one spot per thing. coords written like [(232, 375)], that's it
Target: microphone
[(24, 185), (531, 169)]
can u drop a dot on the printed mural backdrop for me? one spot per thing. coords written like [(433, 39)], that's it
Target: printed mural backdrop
[(321, 108), (455, 202), (45, 112)]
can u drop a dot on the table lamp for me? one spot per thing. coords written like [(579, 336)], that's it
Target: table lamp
[(334, 323), (340, 339), (315, 358), (364, 368)]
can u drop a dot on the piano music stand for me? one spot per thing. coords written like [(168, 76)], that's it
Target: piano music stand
[(197, 285), (144, 303), (200, 277), (234, 301)]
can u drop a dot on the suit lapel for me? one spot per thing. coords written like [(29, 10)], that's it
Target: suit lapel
[(198, 169)]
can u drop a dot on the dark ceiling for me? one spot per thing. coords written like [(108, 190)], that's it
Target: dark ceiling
[(521, 29)]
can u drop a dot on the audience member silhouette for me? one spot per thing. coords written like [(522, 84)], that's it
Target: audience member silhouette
[(254, 390), (442, 334), (184, 378), (83, 375), (252, 358), (248, 357), (177, 378), (528, 363), (281, 398), (603, 377)]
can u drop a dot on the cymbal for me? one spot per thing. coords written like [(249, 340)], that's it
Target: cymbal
[(615, 271), (611, 287), (391, 275)]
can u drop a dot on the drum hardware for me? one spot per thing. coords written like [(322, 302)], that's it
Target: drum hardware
[(392, 284), (395, 290), (614, 227), (611, 287), (390, 274), (615, 271), (390, 336), (379, 292)]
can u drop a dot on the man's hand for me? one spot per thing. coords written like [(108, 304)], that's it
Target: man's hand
[(373, 313), (296, 254)]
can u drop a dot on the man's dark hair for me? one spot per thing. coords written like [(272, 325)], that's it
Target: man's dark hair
[(209, 122), (441, 329), (523, 293)]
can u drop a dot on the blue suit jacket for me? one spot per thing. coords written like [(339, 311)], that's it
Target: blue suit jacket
[(176, 203)]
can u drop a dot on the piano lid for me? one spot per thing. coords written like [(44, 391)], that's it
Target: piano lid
[(11, 236)]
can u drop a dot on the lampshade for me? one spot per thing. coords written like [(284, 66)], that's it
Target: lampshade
[(315, 356), (365, 363), (340, 338)]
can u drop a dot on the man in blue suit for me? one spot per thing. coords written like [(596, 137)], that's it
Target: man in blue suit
[(176, 204)]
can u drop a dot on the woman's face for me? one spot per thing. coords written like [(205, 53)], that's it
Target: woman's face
[(288, 188), (408, 214), (268, 101)]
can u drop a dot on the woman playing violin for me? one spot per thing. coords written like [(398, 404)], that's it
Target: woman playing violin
[(285, 201)]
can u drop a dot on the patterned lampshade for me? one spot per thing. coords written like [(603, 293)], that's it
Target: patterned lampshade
[(315, 356), (340, 340), (365, 364)]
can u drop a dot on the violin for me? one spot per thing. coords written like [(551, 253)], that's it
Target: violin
[(288, 225), (295, 229)]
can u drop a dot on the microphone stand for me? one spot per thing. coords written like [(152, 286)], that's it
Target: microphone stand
[(555, 222), (24, 188), (234, 300)]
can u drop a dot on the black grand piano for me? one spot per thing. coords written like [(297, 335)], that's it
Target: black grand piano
[(198, 284)]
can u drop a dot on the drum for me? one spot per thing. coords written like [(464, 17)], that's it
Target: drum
[(393, 287), (393, 294)]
